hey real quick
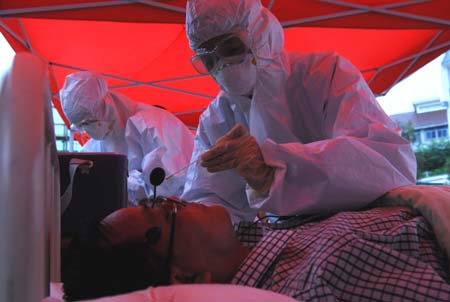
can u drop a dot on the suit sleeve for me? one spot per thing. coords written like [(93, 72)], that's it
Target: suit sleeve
[(360, 157)]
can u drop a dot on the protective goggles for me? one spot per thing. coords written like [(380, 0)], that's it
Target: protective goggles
[(80, 126), (231, 50), (153, 234)]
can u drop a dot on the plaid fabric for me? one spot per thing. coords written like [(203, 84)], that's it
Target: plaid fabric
[(381, 254)]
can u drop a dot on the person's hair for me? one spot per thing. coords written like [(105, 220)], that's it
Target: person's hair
[(91, 270)]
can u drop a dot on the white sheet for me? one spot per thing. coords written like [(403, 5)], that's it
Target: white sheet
[(433, 202), (186, 293)]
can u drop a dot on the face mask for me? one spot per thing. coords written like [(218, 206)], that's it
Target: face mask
[(98, 130), (238, 79)]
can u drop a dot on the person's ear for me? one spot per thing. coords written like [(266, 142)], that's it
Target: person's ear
[(180, 276)]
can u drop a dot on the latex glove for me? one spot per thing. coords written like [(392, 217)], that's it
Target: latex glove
[(136, 187), (238, 149)]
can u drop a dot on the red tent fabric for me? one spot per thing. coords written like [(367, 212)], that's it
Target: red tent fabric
[(142, 48)]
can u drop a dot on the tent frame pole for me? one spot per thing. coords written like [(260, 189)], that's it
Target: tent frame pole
[(361, 9), (416, 58), (139, 83), (358, 9), (161, 5), (385, 9), (62, 7)]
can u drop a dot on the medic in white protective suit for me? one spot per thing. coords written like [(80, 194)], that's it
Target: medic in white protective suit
[(149, 136), (289, 133)]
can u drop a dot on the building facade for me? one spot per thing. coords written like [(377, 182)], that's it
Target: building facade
[(64, 137), (430, 116), (429, 121)]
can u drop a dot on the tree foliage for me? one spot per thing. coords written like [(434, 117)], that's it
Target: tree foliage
[(433, 158), (408, 131)]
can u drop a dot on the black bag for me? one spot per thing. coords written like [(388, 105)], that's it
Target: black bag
[(95, 194)]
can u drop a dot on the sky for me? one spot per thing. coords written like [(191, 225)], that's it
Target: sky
[(424, 84), (6, 54)]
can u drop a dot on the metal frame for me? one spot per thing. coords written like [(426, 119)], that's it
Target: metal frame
[(355, 10), (416, 58), (363, 9), (385, 9), (158, 4), (55, 8), (413, 57), (139, 83), (27, 44)]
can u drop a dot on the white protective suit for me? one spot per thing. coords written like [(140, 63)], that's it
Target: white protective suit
[(313, 115), (149, 136)]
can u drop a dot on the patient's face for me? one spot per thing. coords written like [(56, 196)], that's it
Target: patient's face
[(199, 229)]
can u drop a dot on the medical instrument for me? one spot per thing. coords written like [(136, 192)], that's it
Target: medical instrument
[(156, 178), (183, 169)]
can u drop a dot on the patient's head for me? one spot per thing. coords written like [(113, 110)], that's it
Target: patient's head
[(205, 247)]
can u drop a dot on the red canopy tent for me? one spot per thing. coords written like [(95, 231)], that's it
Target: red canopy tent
[(141, 46)]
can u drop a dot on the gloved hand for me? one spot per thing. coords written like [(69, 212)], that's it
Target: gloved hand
[(136, 187), (238, 149)]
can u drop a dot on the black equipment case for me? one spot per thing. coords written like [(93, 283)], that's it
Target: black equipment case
[(95, 194)]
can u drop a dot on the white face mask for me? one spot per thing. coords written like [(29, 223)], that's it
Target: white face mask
[(98, 130), (238, 79)]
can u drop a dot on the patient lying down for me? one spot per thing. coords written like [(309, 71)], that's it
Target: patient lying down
[(379, 253)]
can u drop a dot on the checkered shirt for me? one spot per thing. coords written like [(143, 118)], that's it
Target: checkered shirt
[(380, 254)]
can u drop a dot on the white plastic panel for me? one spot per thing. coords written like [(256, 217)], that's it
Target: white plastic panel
[(29, 188)]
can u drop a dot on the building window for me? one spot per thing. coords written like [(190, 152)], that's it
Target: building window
[(60, 130), (430, 134), (62, 134), (417, 136), (437, 132), (442, 132)]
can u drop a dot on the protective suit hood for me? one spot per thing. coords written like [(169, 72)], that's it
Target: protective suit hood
[(313, 116), (262, 32), (254, 24), (82, 96), (150, 137), (85, 95)]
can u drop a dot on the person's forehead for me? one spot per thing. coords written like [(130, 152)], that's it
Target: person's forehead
[(133, 214), (127, 222), (122, 214)]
